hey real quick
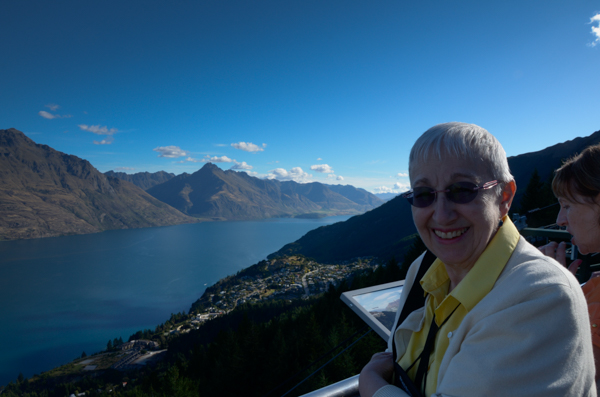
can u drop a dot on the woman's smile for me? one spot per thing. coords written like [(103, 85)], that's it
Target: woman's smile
[(449, 235)]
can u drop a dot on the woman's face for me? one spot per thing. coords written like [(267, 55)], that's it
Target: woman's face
[(457, 233), (581, 216)]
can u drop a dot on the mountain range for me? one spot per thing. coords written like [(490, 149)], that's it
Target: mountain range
[(213, 194), (44, 193), (143, 180), (387, 230)]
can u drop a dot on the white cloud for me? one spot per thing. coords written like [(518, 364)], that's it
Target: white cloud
[(595, 29), (241, 166), (397, 188), (384, 189), (336, 177), (402, 174), (106, 141), (124, 169), (191, 160), (52, 107), (170, 152), (96, 129), (319, 159), (215, 159), (323, 168), (251, 173), (249, 146), (278, 173), (51, 116), (46, 115), (296, 174)]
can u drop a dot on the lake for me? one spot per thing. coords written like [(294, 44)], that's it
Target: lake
[(65, 295)]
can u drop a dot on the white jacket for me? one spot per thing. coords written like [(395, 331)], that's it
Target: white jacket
[(530, 336)]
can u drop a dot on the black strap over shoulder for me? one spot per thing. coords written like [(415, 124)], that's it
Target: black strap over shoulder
[(416, 296), (415, 300)]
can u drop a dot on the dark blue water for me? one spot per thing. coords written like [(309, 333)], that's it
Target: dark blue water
[(62, 296)]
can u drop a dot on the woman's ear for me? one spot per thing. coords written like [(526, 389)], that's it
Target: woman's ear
[(508, 194)]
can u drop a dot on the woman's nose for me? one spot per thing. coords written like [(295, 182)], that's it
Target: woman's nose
[(443, 210), (561, 219)]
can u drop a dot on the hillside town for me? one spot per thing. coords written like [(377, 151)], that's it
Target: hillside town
[(292, 277)]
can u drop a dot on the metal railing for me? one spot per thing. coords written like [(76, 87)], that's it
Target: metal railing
[(345, 388)]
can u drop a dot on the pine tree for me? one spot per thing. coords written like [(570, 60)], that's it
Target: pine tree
[(538, 195), (533, 193)]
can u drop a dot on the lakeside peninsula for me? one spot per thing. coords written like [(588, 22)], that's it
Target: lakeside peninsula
[(290, 280)]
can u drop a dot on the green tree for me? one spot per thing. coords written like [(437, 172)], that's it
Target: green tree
[(534, 202), (531, 198), (109, 345), (83, 355)]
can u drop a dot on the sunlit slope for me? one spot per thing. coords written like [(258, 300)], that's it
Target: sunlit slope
[(44, 192)]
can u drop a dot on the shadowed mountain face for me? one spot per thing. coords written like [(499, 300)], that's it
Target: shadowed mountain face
[(383, 232), (546, 161), (212, 193), (386, 231), (143, 180), (386, 196), (46, 193)]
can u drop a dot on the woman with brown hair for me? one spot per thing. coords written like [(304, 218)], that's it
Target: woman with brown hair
[(576, 184)]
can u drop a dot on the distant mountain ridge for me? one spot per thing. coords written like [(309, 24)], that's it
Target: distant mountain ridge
[(211, 193), (386, 231), (143, 180), (546, 160), (44, 193), (386, 196)]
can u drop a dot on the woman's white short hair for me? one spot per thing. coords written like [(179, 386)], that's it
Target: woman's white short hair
[(462, 140)]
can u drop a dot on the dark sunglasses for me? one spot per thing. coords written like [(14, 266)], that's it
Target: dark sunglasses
[(459, 193)]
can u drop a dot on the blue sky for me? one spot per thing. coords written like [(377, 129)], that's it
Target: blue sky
[(327, 91)]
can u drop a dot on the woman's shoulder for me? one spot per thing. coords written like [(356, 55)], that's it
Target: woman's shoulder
[(529, 285), (529, 268)]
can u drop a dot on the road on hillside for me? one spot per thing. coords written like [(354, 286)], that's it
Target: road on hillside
[(305, 283)]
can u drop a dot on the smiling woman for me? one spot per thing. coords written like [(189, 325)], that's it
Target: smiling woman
[(494, 304)]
